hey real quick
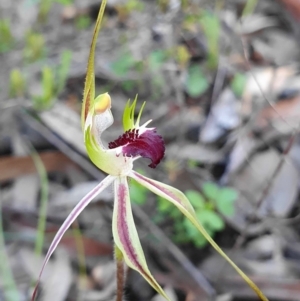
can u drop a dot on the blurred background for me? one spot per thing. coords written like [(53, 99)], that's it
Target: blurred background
[(221, 81)]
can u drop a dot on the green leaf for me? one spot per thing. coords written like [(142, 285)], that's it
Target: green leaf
[(225, 201), (6, 38), (194, 235), (238, 84), (211, 220), (83, 22), (128, 85), (210, 190), (228, 194), (195, 198), (17, 83), (65, 2), (123, 64), (196, 83), (63, 70), (48, 85), (163, 205), (211, 27), (156, 59)]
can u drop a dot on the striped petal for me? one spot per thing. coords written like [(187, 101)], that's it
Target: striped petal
[(126, 237), (70, 219), (176, 197)]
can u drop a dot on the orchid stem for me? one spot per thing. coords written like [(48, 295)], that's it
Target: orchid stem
[(120, 274), (80, 248)]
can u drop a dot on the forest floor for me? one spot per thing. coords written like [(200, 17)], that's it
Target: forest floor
[(222, 86)]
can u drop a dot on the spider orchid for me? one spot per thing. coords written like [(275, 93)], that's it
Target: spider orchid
[(138, 141)]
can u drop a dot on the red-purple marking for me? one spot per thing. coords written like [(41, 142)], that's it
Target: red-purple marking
[(123, 232), (147, 145)]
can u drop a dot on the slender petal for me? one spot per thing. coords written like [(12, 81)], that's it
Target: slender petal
[(126, 237), (70, 219), (176, 197), (89, 87)]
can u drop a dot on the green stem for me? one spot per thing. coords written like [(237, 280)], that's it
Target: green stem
[(120, 273), (43, 201), (249, 7)]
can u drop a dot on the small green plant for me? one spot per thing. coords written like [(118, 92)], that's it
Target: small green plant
[(126, 63), (62, 71), (156, 60), (65, 2), (117, 162), (45, 100), (211, 28), (238, 84), (34, 47), (208, 205), (222, 198), (134, 5), (131, 5), (17, 83), (44, 8), (249, 7), (196, 82), (83, 22), (123, 64), (6, 38), (182, 56), (53, 82)]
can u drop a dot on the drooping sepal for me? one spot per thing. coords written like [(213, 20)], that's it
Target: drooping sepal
[(69, 220), (147, 145), (126, 237), (176, 197)]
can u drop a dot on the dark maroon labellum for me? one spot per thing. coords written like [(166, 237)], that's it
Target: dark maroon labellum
[(147, 145)]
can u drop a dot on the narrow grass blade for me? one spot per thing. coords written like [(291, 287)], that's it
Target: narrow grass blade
[(43, 200)]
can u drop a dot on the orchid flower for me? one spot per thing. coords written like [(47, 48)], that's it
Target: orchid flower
[(138, 141)]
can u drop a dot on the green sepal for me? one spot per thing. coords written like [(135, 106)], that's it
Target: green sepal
[(128, 115)]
